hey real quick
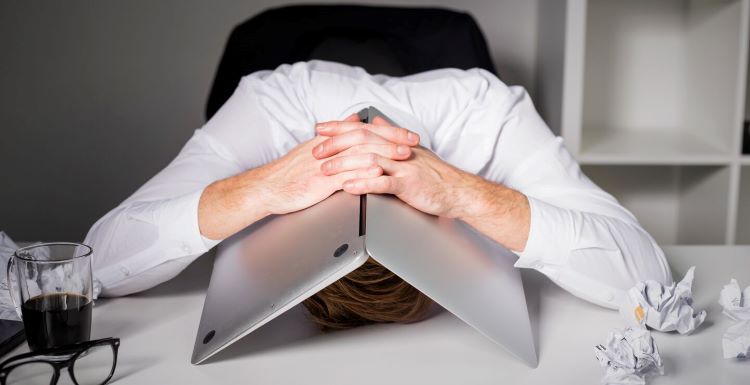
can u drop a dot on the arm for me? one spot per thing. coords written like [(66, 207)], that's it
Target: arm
[(577, 235)]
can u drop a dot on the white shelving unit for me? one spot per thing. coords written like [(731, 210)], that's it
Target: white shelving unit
[(675, 203), (743, 213), (650, 96)]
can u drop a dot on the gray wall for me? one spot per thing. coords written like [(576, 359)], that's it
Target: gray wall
[(96, 97)]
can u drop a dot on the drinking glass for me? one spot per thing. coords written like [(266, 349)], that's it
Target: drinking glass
[(52, 282)]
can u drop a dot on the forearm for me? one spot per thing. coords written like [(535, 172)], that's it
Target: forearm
[(231, 204), (501, 213)]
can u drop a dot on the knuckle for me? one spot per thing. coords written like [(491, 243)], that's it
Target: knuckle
[(357, 149), (402, 133), (361, 135), (331, 143), (380, 184), (389, 185)]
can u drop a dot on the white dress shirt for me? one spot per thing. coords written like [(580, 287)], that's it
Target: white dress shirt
[(580, 237)]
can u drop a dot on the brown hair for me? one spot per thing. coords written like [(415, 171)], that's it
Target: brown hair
[(369, 294)]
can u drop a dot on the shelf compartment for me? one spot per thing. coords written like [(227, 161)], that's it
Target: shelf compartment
[(675, 204), (657, 147), (743, 207), (657, 85)]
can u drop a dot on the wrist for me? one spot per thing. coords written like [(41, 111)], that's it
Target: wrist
[(254, 195), (500, 212)]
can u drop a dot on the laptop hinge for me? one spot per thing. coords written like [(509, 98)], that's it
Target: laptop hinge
[(362, 214), (364, 117)]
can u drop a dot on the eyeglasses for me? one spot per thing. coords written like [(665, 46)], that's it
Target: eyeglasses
[(88, 363)]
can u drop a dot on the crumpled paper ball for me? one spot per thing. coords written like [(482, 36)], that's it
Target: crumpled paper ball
[(663, 308), (735, 302), (735, 342), (629, 356)]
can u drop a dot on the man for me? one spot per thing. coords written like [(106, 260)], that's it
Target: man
[(470, 148)]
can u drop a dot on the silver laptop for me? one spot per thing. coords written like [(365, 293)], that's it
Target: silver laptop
[(277, 263)]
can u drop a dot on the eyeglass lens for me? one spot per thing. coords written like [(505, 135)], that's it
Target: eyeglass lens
[(31, 373), (91, 367), (94, 366)]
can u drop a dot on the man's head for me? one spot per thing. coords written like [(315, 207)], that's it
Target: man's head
[(369, 294)]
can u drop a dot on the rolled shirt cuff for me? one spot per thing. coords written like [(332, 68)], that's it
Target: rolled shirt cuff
[(187, 236), (210, 243), (547, 242), (176, 221)]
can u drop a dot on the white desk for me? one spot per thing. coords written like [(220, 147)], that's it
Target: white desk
[(157, 329)]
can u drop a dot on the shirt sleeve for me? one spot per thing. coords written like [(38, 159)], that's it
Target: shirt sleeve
[(153, 235), (580, 236)]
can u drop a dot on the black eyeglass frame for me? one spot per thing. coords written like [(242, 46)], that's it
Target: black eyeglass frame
[(56, 357)]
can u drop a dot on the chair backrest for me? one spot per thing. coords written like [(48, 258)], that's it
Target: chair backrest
[(394, 41)]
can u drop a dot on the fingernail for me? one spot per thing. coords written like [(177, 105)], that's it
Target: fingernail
[(322, 127), (412, 137), (348, 185), (317, 150), (402, 150)]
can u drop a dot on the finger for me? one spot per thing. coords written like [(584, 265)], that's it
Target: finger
[(389, 132), (383, 184), (358, 174), (339, 143), (380, 121), (350, 118), (345, 163), (390, 151)]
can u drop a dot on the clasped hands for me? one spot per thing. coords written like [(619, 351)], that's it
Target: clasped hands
[(362, 158)]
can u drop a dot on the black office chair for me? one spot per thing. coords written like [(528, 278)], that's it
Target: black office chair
[(387, 40)]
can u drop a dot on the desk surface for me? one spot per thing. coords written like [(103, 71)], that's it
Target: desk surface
[(157, 330)]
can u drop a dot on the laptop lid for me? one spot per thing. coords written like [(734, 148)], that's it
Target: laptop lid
[(463, 271), (266, 269)]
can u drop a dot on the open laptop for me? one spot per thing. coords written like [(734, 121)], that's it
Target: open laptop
[(277, 263)]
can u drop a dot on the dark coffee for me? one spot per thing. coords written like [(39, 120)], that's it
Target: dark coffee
[(56, 319)]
